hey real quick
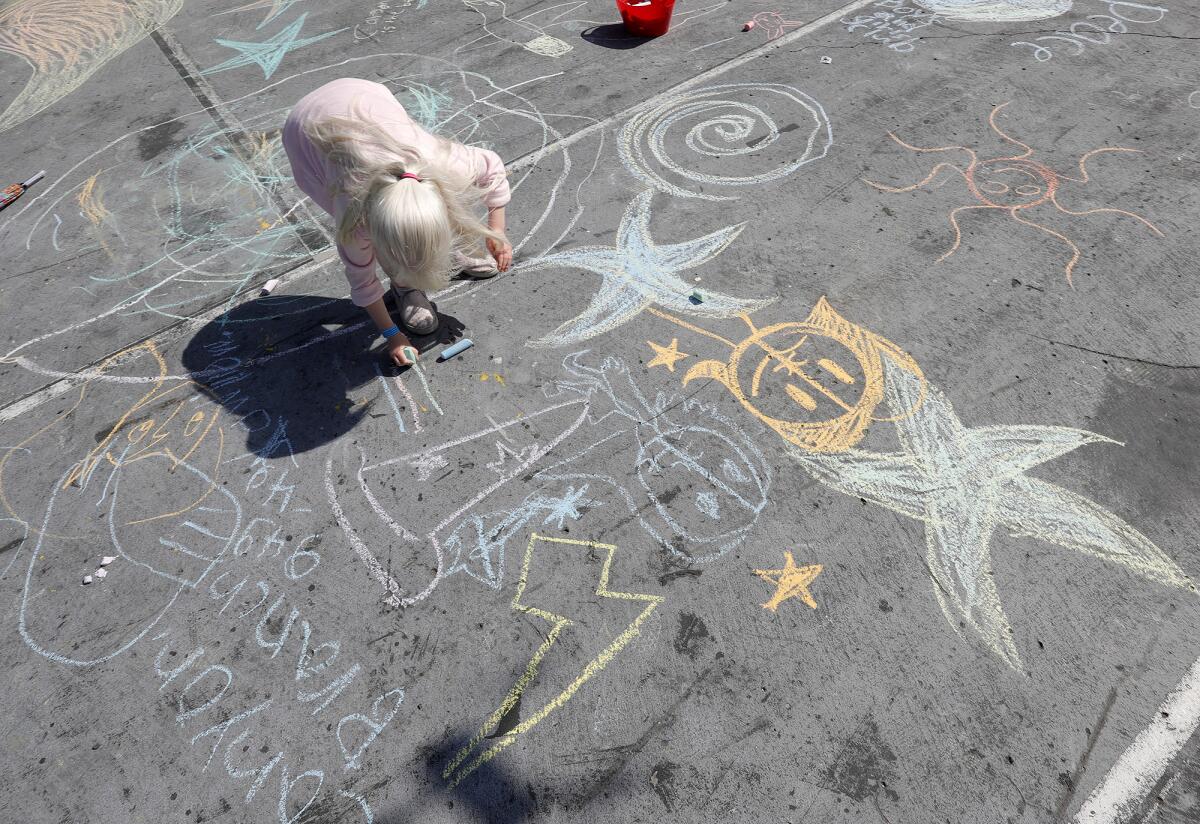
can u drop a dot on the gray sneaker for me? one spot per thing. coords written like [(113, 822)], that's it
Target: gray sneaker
[(416, 312)]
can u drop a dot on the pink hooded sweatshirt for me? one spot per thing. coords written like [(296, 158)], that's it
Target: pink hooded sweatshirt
[(317, 177)]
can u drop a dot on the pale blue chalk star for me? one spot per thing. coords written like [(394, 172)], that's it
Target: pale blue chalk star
[(638, 273), (270, 53), (964, 483)]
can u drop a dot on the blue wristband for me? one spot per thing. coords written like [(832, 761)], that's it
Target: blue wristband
[(389, 333)]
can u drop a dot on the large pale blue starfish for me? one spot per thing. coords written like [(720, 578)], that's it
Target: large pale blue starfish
[(639, 273), (270, 53), (963, 483)]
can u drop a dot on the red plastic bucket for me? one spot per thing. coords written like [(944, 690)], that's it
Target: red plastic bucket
[(646, 18)]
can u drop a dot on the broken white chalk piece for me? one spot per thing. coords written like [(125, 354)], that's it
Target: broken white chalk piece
[(268, 287), (826, 59), (87, 579), (107, 559), (100, 573)]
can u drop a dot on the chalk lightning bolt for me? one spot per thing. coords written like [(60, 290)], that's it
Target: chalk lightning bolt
[(461, 767)]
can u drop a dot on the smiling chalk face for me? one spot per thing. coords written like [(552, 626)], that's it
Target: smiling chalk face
[(816, 382), (706, 481)]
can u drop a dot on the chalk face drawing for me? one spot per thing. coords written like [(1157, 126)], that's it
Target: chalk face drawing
[(65, 43), (166, 544), (681, 444), (790, 582), (268, 54), (521, 32), (964, 482), (637, 273), (722, 125), (1013, 185), (463, 764), (997, 11), (816, 382)]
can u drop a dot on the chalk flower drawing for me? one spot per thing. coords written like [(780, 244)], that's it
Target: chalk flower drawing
[(1012, 184), (830, 398), (460, 767), (269, 53), (65, 42), (964, 483), (638, 273), (723, 126), (997, 11)]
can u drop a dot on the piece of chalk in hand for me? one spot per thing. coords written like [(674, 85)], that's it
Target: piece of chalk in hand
[(269, 287), (409, 352), (749, 25), (696, 297), (450, 351)]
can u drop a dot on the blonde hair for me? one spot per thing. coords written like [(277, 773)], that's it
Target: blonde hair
[(416, 226)]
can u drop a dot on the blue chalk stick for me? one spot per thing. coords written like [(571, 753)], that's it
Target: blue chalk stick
[(450, 351)]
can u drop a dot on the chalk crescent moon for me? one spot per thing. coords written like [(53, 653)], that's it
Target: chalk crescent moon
[(67, 41)]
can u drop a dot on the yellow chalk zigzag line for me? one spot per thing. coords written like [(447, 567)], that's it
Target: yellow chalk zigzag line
[(559, 622)]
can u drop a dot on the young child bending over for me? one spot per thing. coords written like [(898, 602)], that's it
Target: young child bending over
[(400, 197)]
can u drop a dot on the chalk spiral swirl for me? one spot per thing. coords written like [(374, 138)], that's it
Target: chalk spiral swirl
[(721, 122)]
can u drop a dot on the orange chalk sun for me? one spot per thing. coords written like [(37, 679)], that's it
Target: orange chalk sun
[(1013, 184)]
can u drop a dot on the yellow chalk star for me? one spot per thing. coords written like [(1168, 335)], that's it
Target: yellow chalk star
[(790, 582), (666, 355)]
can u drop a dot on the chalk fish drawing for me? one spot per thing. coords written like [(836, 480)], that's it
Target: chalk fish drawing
[(698, 449), (168, 542), (637, 273), (831, 372), (460, 767), (773, 24), (268, 54), (790, 582), (997, 11), (723, 124), (1012, 184), (66, 42), (964, 483), (521, 32)]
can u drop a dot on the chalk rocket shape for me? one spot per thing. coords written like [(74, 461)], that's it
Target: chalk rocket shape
[(419, 524)]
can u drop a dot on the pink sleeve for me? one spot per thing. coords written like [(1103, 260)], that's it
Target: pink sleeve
[(359, 257), (493, 180)]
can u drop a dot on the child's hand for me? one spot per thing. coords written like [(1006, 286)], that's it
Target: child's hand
[(502, 252), (397, 346)]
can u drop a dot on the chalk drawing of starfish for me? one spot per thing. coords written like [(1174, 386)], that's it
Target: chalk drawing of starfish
[(964, 483), (639, 273), (269, 53)]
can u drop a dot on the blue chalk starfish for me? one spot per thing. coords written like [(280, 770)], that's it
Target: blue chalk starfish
[(639, 273), (270, 53)]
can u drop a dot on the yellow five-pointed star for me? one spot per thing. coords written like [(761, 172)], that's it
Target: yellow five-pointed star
[(790, 582), (666, 355)]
